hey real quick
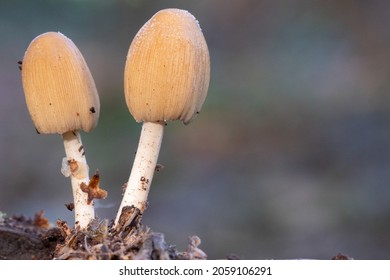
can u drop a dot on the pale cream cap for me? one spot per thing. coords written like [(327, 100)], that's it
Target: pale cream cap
[(60, 92), (167, 69)]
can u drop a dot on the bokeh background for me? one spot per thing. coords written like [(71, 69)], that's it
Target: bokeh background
[(289, 158)]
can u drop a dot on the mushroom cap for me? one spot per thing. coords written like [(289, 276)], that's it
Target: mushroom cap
[(59, 89), (167, 70)]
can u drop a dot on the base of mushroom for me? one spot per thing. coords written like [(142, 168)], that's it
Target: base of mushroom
[(26, 238)]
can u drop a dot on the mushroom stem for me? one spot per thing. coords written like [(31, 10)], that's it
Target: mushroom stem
[(145, 162), (79, 172)]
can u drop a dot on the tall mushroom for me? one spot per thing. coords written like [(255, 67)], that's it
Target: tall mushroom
[(61, 97), (166, 78)]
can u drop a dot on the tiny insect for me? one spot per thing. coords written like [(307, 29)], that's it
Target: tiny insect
[(69, 206), (159, 167), (20, 63)]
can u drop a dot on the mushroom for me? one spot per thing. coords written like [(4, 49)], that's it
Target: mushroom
[(61, 97), (166, 78)]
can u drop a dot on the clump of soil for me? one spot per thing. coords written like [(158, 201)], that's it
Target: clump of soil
[(24, 238), (33, 238)]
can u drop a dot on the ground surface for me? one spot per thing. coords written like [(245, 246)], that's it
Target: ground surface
[(23, 238), (33, 238)]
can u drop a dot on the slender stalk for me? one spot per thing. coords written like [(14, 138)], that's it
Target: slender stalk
[(79, 172), (145, 161)]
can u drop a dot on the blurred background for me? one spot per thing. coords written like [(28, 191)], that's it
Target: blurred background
[(289, 158)]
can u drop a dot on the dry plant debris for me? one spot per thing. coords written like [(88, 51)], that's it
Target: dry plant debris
[(135, 242), (34, 238), (23, 238), (93, 188)]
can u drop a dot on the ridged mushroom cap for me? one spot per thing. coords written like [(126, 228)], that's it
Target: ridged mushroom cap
[(167, 70), (60, 92)]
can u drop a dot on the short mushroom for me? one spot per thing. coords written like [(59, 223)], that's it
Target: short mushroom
[(166, 78), (61, 97)]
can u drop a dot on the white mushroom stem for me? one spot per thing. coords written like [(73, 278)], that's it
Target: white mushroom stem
[(79, 172), (145, 162)]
